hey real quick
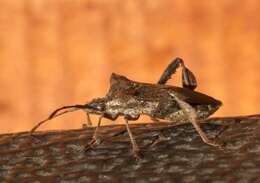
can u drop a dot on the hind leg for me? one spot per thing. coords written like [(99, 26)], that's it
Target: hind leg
[(188, 78), (192, 117)]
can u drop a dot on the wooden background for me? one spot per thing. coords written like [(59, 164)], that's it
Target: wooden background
[(55, 53)]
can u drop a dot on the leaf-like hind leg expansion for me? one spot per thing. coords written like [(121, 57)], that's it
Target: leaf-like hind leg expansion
[(188, 78), (192, 117)]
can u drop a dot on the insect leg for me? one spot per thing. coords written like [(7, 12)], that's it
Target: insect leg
[(98, 125), (192, 117), (188, 78), (95, 139), (89, 122), (133, 142), (171, 69)]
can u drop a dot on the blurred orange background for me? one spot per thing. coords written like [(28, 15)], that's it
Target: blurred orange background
[(55, 53)]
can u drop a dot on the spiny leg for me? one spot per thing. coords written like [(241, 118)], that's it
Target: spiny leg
[(192, 117), (171, 69), (135, 147), (188, 78)]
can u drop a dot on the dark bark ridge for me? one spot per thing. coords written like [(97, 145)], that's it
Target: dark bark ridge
[(170, 153)]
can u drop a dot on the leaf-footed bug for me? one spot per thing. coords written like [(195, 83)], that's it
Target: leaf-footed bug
[(131, 99)]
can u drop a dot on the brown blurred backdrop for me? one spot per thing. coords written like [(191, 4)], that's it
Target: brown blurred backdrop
[(55, 53)]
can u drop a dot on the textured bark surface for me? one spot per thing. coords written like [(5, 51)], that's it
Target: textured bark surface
[(61, 52), (170, 153)]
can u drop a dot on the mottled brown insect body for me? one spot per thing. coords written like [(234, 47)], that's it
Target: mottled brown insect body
[(131, 99)]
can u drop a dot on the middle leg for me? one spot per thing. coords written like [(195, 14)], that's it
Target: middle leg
[(135, 147)]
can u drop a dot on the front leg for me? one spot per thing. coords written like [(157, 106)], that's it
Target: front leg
[(95, 138), (188, 78), (192, 117), (88, 122)]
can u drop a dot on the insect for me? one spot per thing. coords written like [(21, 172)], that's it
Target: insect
[(131, 99)]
